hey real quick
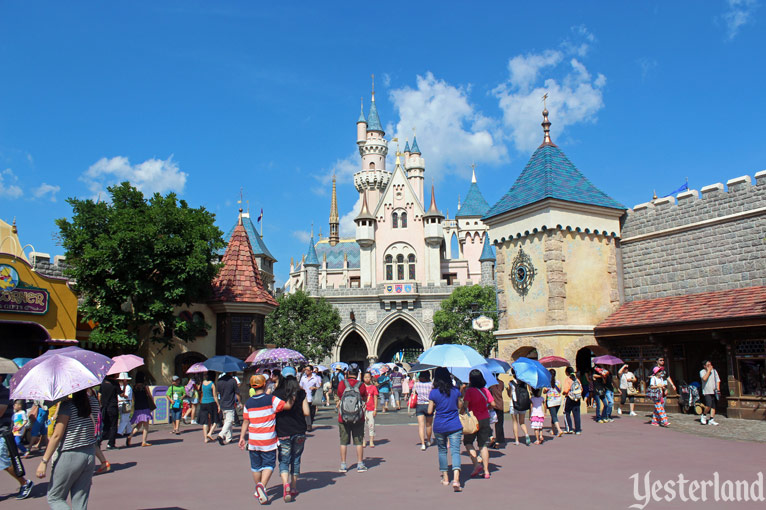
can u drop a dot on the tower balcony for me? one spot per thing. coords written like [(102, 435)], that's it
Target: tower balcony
[(366, 180)]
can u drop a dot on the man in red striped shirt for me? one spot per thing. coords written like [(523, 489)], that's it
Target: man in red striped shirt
[(259, 420)]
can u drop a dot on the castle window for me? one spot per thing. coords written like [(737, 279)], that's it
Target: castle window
[(411, 262), (395, 220), (372, 165), (404, 220), (389, 267), (400, 267)]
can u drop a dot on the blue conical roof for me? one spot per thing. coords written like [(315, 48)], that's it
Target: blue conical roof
[(474, 204), (407, 146), (311, 255), (361, 117), (415, 149), (550, 174), (373, 121), (487, 253)]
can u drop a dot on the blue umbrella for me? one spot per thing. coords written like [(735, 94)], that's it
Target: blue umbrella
[(339, 364), (451, 355), (532, 372), (224, 364), (20, 362), (498, 366), (463, 372)]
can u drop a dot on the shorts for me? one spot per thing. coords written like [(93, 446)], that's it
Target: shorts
[(625, 397), (396, 394), (710, 400), (422, 410), (208, 413), (351, 432), (481, 437), (175, 414), (383, 397), (261, 461), (5, 455)]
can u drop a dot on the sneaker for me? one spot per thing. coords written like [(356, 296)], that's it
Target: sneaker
[(287, 494), (528, 441), (25, 490), (601, 421), (221, 441), (619, 411), (343, 467), (423, 447), (711, 421), (194, 422), (703, 419), (578, 433), (260, 494), (633, 414), (361, 468), (609, 420)]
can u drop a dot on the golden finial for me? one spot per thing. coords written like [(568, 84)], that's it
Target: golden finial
[(654, 195), (546, 123), (13, 227)]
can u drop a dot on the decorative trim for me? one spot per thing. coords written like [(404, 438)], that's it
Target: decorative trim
[(563, 330)]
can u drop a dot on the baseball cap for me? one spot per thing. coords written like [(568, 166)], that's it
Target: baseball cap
[(176, 378), (288, 371), (257, 381)]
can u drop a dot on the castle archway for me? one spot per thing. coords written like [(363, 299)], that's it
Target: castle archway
[(400, 338), (353, 349)]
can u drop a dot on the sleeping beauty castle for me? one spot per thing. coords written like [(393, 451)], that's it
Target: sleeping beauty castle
[(387, 281)]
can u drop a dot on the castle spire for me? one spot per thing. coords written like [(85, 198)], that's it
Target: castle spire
[(334, 219), (373, 121), (473, 175), (546, 124), (361, 112)]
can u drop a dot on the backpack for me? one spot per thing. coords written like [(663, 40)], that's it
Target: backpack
[(335, 381), (521, 401), (575, 391), (351, 404)]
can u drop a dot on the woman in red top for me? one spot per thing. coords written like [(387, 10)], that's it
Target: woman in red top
[(478, 400), (370, 409)]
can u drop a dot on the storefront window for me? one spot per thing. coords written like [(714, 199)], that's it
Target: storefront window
[(752, 373)]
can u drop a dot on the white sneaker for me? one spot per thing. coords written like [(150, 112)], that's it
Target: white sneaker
[(703, 419), (711, 421), (423, 447), (619, 411), (633, 414)]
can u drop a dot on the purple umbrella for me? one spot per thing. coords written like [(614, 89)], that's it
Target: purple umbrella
[(607, 360), (197, 368), (59, 373), (280, 355)]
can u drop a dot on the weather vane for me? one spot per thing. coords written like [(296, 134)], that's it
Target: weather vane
[(544, 98)]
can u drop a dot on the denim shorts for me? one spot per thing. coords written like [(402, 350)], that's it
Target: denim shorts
[(421, 410), (260, 461), (175, 414), (5, 455)]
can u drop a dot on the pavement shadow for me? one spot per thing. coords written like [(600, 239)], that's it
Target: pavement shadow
[(314, 481), (156, 442), (372, 462), (119, 467)]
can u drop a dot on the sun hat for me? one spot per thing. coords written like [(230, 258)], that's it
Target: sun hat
[(288, 371), (123, 376), (257, 381), (656, 369)]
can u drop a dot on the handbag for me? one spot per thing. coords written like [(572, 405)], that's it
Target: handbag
[(413, 401), (13, 453), (632, 390), (654, 394), (469, 422)]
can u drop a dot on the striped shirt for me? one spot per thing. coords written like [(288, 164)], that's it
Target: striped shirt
[(79, 431), (423, 389), (261, 415)]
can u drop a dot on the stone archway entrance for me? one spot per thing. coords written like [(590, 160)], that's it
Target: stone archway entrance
[(399, 342), (527, 352), (22, 339), (354, 350)]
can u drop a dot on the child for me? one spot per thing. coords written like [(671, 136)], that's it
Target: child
[(537, 414), (259, 420), (19, 426), (370, 410)]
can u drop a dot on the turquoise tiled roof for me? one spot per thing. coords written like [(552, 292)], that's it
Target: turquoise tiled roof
[(487, 253), (474, 204), (415, 149), (407, 147), (550, 174), (373, 121), (256, 241), (335, 254), (311, 255), (361, 117)]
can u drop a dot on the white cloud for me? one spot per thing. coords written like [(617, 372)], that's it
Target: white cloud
[(347, 225), (151, 176), (8, 187), (574, 94), (451, 132), (47, 189), (738, 14), (302, 235)]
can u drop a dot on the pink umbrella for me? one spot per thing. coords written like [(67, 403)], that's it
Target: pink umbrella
[(197, 368), (125, 363), (607, 360), (254, 355), (554, 362)]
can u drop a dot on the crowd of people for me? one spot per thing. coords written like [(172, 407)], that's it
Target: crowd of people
[(279, 407)]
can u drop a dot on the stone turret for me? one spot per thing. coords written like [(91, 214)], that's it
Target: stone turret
[(434, 236), (365, 238), (487, 261), (312, 268)]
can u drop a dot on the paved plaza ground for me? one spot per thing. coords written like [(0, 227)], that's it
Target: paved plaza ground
[(577, 472)]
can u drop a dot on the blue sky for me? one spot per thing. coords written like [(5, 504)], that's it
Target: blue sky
[(203, 98)]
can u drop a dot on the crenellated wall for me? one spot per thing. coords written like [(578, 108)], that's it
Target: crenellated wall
[(699, 241)]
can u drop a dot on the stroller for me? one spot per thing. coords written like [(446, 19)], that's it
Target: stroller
[(688, 396)]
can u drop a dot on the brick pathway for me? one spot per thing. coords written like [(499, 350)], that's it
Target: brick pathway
[(589, 471)]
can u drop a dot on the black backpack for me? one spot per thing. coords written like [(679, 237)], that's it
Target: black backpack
[(335, 381), (351, 403), (521, 401)]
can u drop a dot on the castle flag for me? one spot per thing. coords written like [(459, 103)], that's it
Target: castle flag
[(260, 217)]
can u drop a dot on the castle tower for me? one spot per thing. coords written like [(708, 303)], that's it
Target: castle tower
[(434, 236), (415, 166), (312, 268), (373, 177), (487, 260), (471, 228), (365, 238), (334, 218)]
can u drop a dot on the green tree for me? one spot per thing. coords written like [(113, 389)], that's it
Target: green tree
[(302, 323), (453, 323), (134, 260)]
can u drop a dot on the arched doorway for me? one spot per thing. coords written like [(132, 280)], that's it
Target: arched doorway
[(526, 352), (185, 360), (399, 342), (22, 339), (354, 350)]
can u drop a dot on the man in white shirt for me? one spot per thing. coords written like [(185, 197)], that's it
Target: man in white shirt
[(310, 382), (711, 392)]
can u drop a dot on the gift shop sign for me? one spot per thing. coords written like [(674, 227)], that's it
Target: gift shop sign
[(18, 298)]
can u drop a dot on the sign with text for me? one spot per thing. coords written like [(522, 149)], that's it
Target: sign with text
[(483, 323), (24, 300)]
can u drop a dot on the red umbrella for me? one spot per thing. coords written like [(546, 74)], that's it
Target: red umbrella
[(554, 362)]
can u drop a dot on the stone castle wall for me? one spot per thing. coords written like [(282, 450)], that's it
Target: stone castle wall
[(702, 241)]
